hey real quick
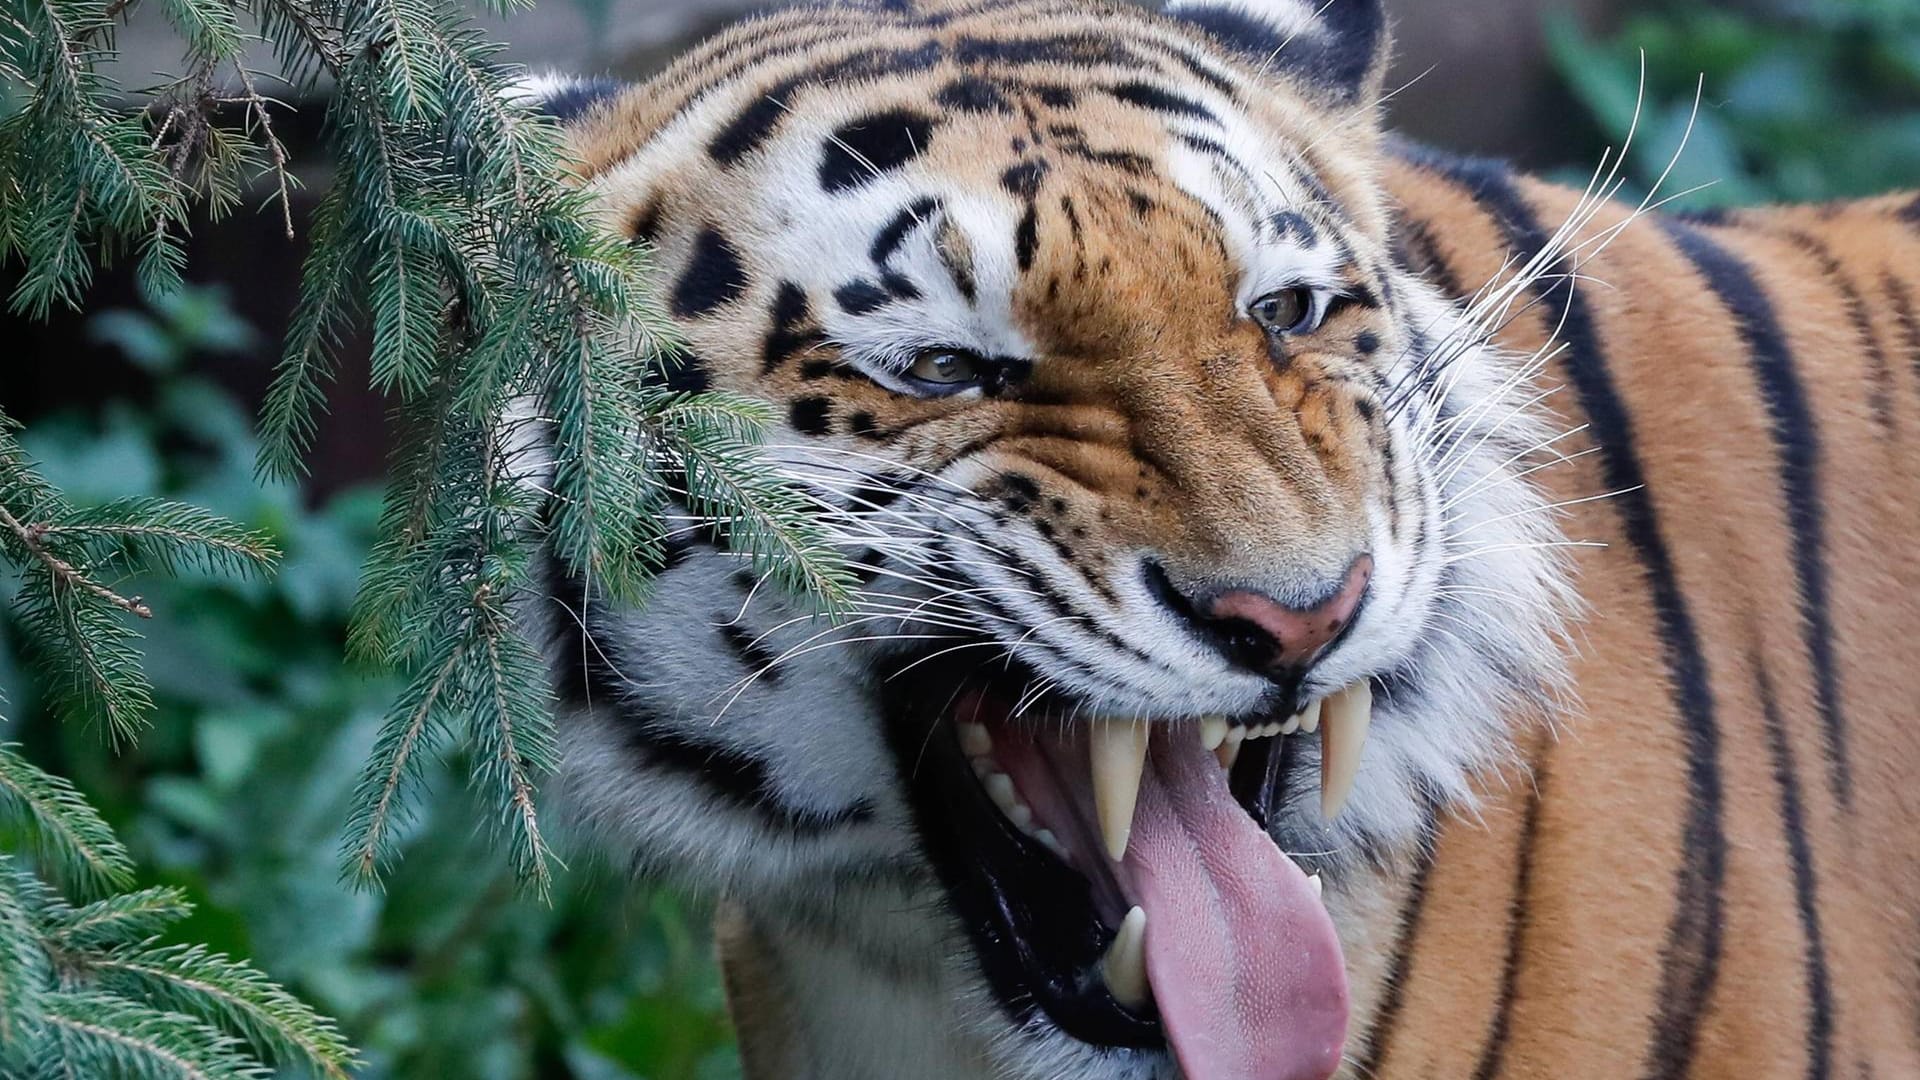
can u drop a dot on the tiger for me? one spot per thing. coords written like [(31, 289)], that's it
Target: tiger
[(1321, 605)]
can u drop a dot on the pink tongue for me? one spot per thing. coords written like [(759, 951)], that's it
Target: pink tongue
[(1241, 954)]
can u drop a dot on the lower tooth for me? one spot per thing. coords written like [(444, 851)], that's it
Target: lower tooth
[(1052, 842), (1021, 816), (1125, 965)]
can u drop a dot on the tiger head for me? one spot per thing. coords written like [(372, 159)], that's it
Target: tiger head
[(1197, 562)]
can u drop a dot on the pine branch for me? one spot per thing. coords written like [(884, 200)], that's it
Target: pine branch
[(32, 537), (24, 976), (115, 920), (235, 996), (516, 337), (165, 537), (380, 800), (67, 830), (103, 1035)]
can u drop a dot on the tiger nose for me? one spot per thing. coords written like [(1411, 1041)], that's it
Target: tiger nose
[(1260, 633)]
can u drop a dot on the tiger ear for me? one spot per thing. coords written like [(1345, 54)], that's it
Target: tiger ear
[(564, 97), (1336, 47)]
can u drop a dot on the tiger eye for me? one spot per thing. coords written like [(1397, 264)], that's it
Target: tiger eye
[(1285, 312), (946, 367)]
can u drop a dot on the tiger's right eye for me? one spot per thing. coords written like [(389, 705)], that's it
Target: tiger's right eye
[(948, 371)]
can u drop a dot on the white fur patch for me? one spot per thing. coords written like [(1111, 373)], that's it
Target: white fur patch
[(1287, 17)]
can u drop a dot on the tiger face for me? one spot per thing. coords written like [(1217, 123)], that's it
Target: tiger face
[(1162, 475)]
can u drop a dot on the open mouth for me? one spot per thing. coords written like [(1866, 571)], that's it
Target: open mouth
[(1118, 876)]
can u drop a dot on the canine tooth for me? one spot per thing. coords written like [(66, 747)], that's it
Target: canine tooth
[(1213, 732), (1119, 754), (1318, 886), (1347, 716), (1310, 719), (975, 741), (1125, 965), (1000, 789)]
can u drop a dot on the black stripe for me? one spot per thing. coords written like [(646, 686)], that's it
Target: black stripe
[(1493, 1055), (1901, 298), (1077, 49), (889, 238), (584, 676), (760, 661), (737, 777), (1387, 1016), (755, 124), (1148, 96), (1796, 439), (713, 277), (1690, 960), (1880, 397), (1806, 886)]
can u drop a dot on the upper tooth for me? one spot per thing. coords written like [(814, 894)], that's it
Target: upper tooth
[(1271, 729), (1292, 725), (1310, 719), (1346, 718), (1213, 732), (1229, 752), (1316, 883), (1000, 789), (1119, 753), (1125, 966), (975, 741)]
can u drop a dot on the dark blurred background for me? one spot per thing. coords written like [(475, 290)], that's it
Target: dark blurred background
[(239, 791)]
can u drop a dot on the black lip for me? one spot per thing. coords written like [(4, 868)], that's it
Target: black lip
[(1031, 916)]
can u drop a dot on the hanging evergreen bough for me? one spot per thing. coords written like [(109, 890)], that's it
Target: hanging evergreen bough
[(522, 350), (85, 990), (450, 233)]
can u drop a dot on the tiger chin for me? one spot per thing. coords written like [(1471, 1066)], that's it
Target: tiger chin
[(1220, 476)]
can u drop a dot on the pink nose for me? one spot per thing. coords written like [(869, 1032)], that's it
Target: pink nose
[(1291, 638)]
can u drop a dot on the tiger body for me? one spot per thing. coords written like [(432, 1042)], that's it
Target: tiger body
[(1672, 837)]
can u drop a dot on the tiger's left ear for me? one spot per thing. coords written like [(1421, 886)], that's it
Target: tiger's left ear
[(1335, 47)]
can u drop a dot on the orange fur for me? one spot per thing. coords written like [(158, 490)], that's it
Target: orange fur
[(1535, 939)]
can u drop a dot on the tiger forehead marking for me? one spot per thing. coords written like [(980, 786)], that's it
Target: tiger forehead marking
[(1059, 198)]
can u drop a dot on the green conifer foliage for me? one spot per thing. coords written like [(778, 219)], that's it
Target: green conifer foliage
[(85, 988), (523, 353)]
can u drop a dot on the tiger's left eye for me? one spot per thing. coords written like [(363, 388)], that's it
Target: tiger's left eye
[(1289, 311)]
